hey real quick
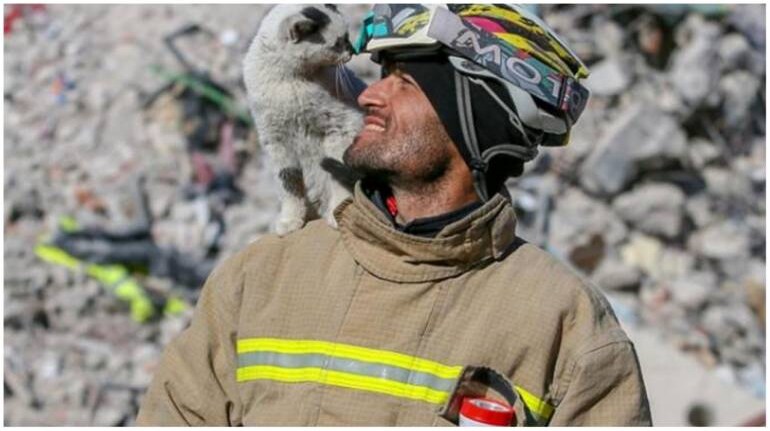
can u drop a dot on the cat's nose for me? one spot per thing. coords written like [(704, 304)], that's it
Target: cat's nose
[(349, 46)]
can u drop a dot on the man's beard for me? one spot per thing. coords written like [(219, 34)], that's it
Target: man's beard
[(418, 157)]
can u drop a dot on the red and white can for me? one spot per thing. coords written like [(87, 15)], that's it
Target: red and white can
[(485, 412)]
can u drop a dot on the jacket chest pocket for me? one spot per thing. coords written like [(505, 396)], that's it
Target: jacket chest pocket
[(274, 403)]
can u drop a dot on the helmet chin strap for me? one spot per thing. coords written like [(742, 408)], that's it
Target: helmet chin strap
[(479, 163)]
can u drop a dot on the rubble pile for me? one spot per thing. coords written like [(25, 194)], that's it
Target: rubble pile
[(659, 198), (79, 135)]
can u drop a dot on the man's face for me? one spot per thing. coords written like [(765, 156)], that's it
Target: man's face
[(403, 141)]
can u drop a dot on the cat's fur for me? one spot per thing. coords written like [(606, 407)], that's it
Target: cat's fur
[(304, 105)]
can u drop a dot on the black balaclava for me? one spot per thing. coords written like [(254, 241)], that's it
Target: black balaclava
[(435, 75)]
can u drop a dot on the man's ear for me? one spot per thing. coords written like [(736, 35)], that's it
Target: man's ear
[(300, 28)]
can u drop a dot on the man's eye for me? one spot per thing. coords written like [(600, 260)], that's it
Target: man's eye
[(404, 80)]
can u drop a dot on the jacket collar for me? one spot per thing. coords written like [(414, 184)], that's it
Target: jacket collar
[(483, 235)]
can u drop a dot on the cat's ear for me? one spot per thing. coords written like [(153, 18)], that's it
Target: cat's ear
[(301, 28)]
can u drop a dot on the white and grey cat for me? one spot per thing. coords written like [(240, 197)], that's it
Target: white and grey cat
[(303, 101)]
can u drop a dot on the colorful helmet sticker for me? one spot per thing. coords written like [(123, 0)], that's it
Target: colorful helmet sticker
[(509, 62), (523, 31)]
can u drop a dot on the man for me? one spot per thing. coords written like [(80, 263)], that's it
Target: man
[(424, 295)]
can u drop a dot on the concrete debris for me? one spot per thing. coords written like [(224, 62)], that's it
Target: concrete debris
[(643, 252), (750, 21), (614, 274), (607, 78), (642, 138), (77, 133), (699, 210), (578, 220), (658, 198), (656, 209), (702, 152), (693, 291), (692, 66), (675, 264), (740, 91), (721, 241)]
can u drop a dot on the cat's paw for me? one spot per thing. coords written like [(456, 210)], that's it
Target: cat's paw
[(331, 221), (288, 225)]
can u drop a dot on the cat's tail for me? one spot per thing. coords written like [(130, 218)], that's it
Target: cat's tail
[(341, 172)]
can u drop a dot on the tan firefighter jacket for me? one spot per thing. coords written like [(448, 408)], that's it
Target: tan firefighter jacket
[(369, 326)]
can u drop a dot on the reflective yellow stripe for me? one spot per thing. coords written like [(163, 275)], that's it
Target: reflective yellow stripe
[(112, 276), (174, 306), (56, 255), (130, 291), (535, 405), (541, 410), (346, 380), (350, 352), (107, 274), (68, 224)]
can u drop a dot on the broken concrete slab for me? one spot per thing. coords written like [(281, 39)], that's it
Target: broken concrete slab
[(692, 70), (608, 78), (653, 208), (641, 137), (723, 240)]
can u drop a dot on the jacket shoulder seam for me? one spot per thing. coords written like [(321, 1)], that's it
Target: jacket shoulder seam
[(567, 379)]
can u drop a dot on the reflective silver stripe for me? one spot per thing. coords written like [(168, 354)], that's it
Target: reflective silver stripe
[(370, 369)]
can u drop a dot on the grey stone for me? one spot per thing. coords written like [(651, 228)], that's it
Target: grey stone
[(693, 291), (727, 184), (643, 252), (740, 90), (641, 137), (577, 218), (172, 326), (750, 21), (144, 359), (753, 377), (655, 208), (22, 202), (608, 78), (675, 263), (701, 152), (611, 44), (614, 275), (734, 51), (723, 240), (727, 321), (741, 269), (698, 209), (692, 70)]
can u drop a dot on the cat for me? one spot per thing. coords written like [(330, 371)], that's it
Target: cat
[(303, 100)]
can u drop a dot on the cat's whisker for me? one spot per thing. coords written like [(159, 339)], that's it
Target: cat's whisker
[(347, 81), (337, 79)]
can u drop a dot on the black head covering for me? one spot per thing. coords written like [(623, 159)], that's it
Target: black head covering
[(435, 75)]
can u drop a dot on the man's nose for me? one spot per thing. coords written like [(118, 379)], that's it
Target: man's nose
[(373, 95)]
